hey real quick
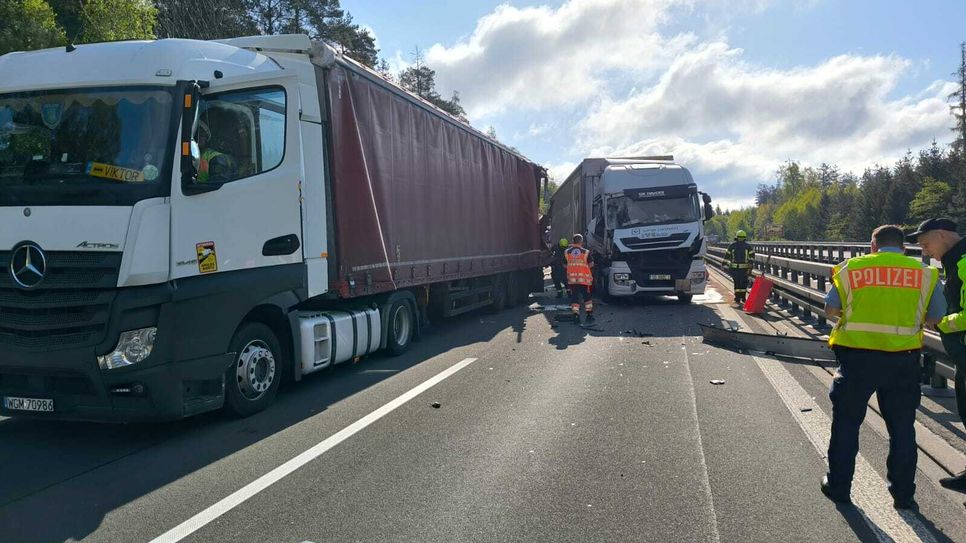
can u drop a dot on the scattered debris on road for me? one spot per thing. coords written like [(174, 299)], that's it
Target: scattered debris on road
[(742, 342), (717, 381), (806, 409), (436, 405)]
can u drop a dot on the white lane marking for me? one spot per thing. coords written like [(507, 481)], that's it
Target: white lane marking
[(198, 521), (869, 491), (705, 478)]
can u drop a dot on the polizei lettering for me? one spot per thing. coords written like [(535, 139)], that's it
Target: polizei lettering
[(883, 276)]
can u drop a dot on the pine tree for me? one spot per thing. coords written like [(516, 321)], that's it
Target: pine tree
[(959, 107)]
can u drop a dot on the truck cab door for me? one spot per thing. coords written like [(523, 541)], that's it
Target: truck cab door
[(244, 212)]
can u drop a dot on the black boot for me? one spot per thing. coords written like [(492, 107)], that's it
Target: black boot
[(835, 496)]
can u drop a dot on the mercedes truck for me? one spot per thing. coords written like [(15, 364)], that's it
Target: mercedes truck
[(643, 220), (185, 224)]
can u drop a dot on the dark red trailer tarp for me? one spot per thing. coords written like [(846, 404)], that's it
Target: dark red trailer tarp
[(418, 199)]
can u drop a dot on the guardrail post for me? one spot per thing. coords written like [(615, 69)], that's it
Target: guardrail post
[(821, 287), (929, 375)]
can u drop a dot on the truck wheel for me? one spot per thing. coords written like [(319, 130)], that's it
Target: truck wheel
[(685, 298), (513, 287), (253, 380), (402, 325), (499, 294)]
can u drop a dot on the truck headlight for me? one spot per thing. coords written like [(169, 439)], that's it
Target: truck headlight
[(622, 276), (133, 347)]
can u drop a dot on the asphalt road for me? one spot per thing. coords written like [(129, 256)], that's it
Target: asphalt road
[(541, 434)]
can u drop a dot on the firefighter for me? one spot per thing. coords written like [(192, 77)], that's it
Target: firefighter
[(883, 301), (939, 240), (558, 267), (740, 255), (580, 278)]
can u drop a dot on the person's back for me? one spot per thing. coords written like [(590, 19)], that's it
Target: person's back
[(883, 301)]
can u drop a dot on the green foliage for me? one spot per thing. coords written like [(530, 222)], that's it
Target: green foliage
[(113, 20), (813, 204), (420, 80), (934, 200), (208, 20), (28, 24)]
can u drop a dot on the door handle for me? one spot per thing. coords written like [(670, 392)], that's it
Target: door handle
[(281, 246)]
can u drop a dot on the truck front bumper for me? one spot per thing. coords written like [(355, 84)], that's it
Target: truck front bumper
[(81, 391)]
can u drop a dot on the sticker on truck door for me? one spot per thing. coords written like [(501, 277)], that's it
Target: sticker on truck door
[(207, 258)]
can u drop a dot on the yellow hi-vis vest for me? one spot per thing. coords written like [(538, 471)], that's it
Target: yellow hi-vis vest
[(884, 301)]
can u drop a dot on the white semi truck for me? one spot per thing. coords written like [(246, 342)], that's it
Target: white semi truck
[(643, 219), (184, 224)]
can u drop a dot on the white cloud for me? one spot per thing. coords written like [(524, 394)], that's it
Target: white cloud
[(539, 57), (639, 88)]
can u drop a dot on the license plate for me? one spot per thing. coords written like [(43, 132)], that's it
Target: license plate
[(28, 404), (660, 277)]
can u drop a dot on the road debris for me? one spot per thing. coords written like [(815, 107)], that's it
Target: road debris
[(805, 409), (436, 405), (717, 381)]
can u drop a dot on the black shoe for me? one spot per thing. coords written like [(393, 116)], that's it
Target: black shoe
[(956, 482), (834, 496), (905, 504), (590, 319)]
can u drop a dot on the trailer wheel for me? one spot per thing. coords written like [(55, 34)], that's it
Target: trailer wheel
[(685, 298), (402, 325), (253, 380), (499, 294)]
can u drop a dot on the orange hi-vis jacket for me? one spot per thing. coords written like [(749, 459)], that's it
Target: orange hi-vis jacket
[(578, 266)]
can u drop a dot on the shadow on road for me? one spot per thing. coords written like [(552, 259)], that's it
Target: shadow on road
[(81, 472)]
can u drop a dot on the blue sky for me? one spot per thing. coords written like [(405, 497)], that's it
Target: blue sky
[(731, 88)]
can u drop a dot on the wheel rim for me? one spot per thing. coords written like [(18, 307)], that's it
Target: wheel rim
[(255, 370), (401, 325)]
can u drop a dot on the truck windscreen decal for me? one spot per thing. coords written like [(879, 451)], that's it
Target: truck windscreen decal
[(653, 193)]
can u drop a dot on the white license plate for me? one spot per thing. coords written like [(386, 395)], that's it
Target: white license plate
[(660, 277), (28, 404)]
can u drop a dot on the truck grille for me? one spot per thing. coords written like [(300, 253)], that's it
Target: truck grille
[(673, 262), (70, 308)]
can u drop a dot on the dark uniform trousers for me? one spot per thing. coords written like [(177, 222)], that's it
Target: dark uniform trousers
[(740, 278), (894, 378)]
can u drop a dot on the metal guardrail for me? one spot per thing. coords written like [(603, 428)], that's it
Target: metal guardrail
[(801, 284)]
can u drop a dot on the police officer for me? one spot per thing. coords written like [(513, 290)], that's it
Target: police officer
[(939, 240), (881, 300), (740, 255), (580, 278), (558, 267)]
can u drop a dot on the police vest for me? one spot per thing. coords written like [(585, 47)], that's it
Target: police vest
[(578, 266), (884, 301)]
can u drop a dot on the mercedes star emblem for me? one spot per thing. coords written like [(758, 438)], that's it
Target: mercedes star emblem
[(28, 265)]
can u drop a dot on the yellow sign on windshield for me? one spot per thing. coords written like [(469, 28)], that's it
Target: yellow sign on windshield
[(117, 173)]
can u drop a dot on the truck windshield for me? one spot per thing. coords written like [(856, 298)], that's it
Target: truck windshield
[(85, 147), (624, 212)]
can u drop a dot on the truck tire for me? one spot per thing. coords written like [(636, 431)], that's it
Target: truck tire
[(499, 294), (402, 327), (685, 298), (252, 382)]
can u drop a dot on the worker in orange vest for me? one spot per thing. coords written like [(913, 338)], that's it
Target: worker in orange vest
[(580, 278)]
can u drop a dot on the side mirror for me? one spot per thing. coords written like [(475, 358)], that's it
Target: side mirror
[(705, 198), (195, 155), (708, 212), (190, 152)]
